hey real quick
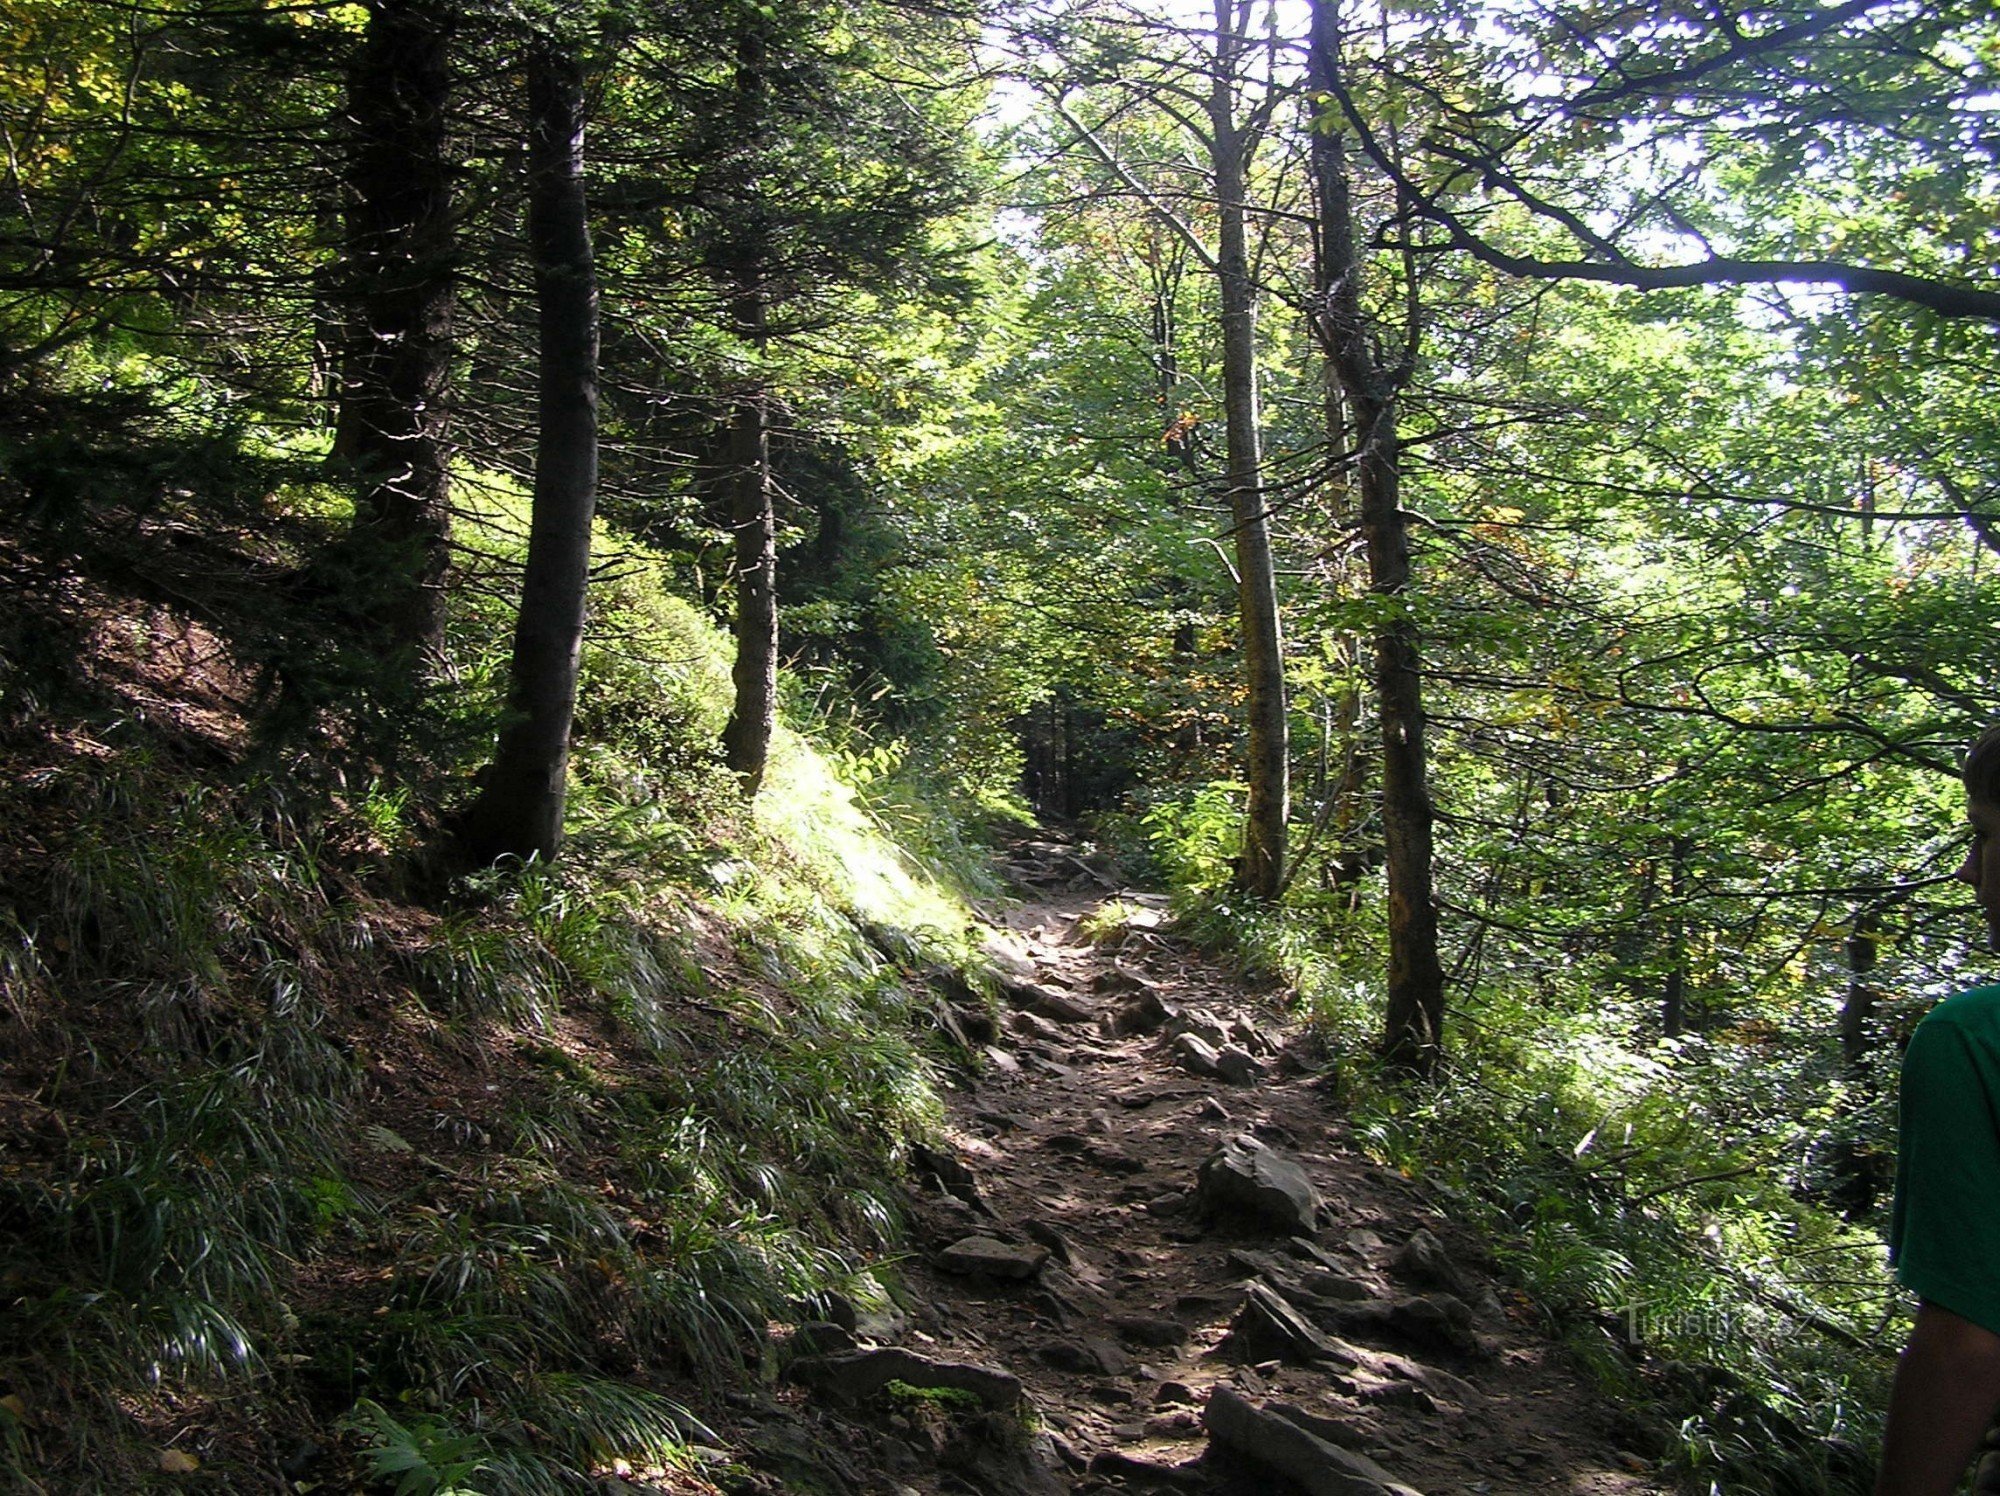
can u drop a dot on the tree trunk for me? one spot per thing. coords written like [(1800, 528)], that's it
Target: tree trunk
[(1261, 872), (1864, 949), (1673, 1000), (520, 806), (745, 263), (1414, 1022), (746, 741), (392, 425)]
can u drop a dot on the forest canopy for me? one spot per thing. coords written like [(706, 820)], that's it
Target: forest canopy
[(1497, 506)]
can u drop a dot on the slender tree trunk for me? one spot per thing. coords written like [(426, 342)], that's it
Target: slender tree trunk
[(1261, 872), (1673, 1000), (745, 262), (392, 426), (1414, 1022), (1864, 949), (746, 740), (520, 806)]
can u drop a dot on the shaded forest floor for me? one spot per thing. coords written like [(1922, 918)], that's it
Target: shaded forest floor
[(1064, 1240)]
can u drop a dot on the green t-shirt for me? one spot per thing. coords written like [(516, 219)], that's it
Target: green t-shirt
[(1944, 1236)]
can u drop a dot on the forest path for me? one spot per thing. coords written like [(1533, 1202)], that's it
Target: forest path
[(1077, 1149)]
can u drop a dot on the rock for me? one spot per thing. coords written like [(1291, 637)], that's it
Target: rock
[(1089, 1356), (976, 1023), (1336, 1431), (1145, 1014), (1008, 957), (1060, 1246), (996, 1259), (1268, 1441), (1252, 1038), (1002, 1061), (1236, 1065), (1422, 1260), (1203, 1024), (1212, 1110), (821, 1338), (1045, 1001), (1268, 1328), (1155, 1331), (1292, 1277), (1115, 1160), (829, 1306), (1435, 1322), (953, 1177), (1033, 1026), (853, 1375), (1196, 1055), (1000, 1121), (1146, 1475), (1249, 1180)]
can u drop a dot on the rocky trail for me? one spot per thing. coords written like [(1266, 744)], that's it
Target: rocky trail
[(1151, 1260)]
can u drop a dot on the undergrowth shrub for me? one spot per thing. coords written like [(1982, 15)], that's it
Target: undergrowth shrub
[(469, 1187), (1657, 1235)]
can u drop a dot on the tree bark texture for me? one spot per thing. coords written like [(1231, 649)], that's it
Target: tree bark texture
[(520, 807), (746, 740), (744, 261), (393, 420), (1261, 872), (1414, 1022)]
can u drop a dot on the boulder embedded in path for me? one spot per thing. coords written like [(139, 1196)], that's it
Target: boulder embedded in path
[(852, 1375), (1248, 1180), (996, 1259), (1262, 1438)]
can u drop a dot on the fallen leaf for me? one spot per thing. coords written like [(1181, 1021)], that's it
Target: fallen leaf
[(178, 1462)]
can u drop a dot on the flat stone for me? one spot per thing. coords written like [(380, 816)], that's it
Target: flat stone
[(1249, 1180), (1046, 1001), (1148, 1474), (1030, 1025), (1088, 1355), (1153, 1330), (1265, 1440), (1237, 1065), (852, 1375), (996, 1259)]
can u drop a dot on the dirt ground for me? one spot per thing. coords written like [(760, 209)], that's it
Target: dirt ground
[(1087, 1146)]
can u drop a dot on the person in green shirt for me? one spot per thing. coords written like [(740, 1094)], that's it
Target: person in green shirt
[(1944, 1235)]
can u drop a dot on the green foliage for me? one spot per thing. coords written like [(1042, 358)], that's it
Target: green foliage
[(424, 1457)]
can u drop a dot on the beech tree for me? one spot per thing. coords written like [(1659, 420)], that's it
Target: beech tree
[(1371, 381), (1207, 96)]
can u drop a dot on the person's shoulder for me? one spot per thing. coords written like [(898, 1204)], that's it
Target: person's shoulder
[(1975, 1008)]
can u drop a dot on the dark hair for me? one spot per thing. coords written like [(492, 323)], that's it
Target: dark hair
[(1982, 768)]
